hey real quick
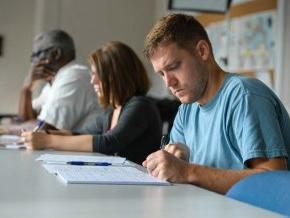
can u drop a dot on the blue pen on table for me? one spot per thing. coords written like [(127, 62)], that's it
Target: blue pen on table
[(40, 124), (164, 141), (82, 163)]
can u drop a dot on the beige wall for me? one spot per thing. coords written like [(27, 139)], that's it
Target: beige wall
[(93, 22), (90, 22), (16, 25)]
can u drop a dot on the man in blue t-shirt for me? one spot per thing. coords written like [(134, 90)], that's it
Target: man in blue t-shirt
[(228, 126)]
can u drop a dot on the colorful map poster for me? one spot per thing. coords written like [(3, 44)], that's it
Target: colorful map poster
[(246, 43)]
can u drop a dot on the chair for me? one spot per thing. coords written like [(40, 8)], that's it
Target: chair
[(269, 190), (167, 109)]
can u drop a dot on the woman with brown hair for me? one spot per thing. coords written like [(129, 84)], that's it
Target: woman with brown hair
[(130, 125)]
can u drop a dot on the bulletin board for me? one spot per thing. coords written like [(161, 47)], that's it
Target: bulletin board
[(243, 40)]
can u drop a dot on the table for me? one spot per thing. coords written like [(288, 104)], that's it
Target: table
[(28, 190)]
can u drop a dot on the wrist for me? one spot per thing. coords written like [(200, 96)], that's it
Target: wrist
[(26, 89), (49, 142), (191, 176)]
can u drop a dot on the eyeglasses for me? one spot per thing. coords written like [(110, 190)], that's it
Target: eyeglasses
[(39, 55)]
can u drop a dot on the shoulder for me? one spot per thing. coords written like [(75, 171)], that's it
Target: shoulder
[(140, 103), (140, 100), (73, 71), (73, 75), (237, 87), (246, 85)]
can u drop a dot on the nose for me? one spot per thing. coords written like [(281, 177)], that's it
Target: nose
[(93, 79), (170, 80)]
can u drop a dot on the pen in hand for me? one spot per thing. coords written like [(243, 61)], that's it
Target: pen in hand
[(164, 141), (40, 124)]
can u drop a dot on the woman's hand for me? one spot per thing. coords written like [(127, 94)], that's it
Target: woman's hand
[(35, 140)]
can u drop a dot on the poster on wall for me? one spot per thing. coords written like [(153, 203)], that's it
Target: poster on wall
[(246, 43)]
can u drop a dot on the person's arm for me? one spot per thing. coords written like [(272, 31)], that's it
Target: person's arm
[(62, 139), (40, 140), (166, 166), (26, 111), (62, 132)]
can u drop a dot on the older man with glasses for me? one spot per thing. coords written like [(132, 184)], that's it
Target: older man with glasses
[(68, 100)]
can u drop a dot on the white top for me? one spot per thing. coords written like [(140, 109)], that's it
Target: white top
[(70, 102)]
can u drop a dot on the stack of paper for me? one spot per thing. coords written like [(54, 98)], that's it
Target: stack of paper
[(11, 142), (119, 172), (106, 175)]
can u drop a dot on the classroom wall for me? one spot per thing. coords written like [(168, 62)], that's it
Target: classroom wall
[(282, 82), (16, 26), (90, 22), (105, 20)]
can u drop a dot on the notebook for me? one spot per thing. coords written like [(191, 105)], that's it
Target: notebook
[(106, 175)]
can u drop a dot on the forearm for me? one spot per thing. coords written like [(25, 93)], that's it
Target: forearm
[(218, 180), (69, 143), (26, 111), (62, 132)]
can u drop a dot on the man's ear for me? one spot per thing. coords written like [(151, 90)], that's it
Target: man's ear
[(56, 54), (203, 49)]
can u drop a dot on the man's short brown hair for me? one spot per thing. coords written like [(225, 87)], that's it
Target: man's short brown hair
[(184, 30), (121, 73)]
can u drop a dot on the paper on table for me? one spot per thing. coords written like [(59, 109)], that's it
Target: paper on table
[(106, 175), (15, 146), (9, 139), (54, 158), (11, 142)]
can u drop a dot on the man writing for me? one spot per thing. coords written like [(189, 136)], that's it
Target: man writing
[(227, 127)]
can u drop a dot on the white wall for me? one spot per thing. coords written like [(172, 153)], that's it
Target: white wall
[(282, 82), (90, 22), (16, 25), (93, 23)]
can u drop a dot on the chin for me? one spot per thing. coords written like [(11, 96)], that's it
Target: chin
[(187, 100), (184, 100)]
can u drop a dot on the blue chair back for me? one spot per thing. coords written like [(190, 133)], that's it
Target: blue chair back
[(269, 190)]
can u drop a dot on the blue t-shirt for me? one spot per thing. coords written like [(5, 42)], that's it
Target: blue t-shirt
[(244, 120)]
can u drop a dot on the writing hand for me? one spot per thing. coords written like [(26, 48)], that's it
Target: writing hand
[(166, 166), (179, 150), (34, 140)]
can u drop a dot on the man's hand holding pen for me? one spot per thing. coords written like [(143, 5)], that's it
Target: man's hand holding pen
[(170, 163), (179, 150)]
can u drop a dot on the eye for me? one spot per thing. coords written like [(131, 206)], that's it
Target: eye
[(174, 66), (160, 73)]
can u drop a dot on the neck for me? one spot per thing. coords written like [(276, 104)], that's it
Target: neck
[(215, 80)]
